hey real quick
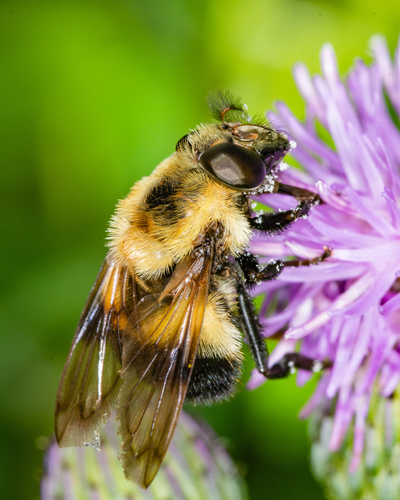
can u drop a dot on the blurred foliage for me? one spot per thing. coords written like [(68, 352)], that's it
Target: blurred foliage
[(93, 95)]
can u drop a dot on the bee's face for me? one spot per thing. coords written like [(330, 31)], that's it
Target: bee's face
[(236, 154)]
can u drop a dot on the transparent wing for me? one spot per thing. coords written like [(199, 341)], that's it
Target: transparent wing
[(91, 378), (159, 349)]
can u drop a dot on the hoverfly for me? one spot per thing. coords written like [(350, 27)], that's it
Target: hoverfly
[(163, 322)]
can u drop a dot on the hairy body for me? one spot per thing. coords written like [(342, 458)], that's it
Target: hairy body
[(164, 321), (157, 225)]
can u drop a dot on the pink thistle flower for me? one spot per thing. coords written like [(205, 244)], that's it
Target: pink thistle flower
[(346, 309)]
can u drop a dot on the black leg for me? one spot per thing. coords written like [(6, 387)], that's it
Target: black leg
[(293, 360), (253, 273), (277, 222), (258, 347), (299, 193), (252, 330), (308, 262)]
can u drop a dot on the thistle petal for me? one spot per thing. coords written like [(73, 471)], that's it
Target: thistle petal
[(346, 309)]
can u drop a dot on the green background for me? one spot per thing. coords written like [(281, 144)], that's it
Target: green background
[(93, 95)]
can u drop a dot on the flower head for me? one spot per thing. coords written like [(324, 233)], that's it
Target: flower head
[(196, 466), (346, 309), (377, 476)]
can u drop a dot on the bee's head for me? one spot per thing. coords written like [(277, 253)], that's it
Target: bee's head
[(240, 152)]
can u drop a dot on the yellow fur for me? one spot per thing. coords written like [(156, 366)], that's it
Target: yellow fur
[(150, 243), (150, 252), (219, 337)]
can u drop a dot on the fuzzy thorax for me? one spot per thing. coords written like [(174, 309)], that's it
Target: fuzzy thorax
[(156, 225)]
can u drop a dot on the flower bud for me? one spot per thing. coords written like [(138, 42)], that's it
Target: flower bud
[(195, 467), (377, 475)]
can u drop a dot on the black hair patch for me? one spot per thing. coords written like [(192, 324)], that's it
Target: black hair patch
[(184, 141), (160, 194), (213, 380)]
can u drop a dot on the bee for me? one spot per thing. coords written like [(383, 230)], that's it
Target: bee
[(163, 323)]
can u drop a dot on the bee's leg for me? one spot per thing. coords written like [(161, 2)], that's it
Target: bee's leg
[(252, 329), (277, 222), (293, 360), (254, 273), (308, 262), (299, 193)]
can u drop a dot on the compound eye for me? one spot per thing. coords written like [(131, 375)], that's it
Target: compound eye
[(233, 165)]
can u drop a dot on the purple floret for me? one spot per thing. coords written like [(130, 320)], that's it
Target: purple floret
[(346, 309)]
